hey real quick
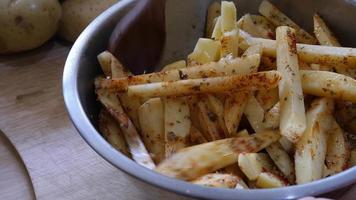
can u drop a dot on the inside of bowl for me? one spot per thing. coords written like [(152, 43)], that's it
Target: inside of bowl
[(186, 20)]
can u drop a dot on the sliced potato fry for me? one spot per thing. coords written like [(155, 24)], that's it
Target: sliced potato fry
[(211, 47), (177, 124), (196, 137), (198, 58), (208, 121), (250, 82), (328, 84), (192, 162), (214, 69), (272, 117), (151, 117), (176, 65), (325, 55), (217, 107), (254, 113), (323, 33), (246, 24), (311, 148), (110, 130), (337, 153), (252, 164), (234, 107), (287, 145), (234, 169), (217, 33), (104, 60), (257, 26), (218, 180), (228, 16), (230, 43), (270, 180), (278, 18), (137, 148), (214, 11), (292, 113), (282, 160), (267, 98)]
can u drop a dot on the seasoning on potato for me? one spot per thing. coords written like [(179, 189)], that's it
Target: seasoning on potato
[(27, 24), (195, 115), (77, 15)]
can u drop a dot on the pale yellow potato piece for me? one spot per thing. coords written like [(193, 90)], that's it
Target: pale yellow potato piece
[(214, 69), (287, 145), (292, 112), (311, 148), (137, 148), (324, 55), (252, 164), (211, 47), (278, 18), (104, 60), (272, 117), (218, 180), (323, 33), (176, 65), (198, 58), (27, 24), (110, 130), (338, 152), (228, 16), (230, 44), (250, 82), (217, 107), (257, 26), (208, 121), (177, 124), (214, 12), (270, 180), (254, 114), (217, 33), (192, 162), (267, 98), (196, 137), (151, 117), (328, 84), (282, 160), (233, 110)]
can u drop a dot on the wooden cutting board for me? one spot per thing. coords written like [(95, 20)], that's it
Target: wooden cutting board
[(60, 164)]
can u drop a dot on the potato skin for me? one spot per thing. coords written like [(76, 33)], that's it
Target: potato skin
[(77, 15), (27, 24)]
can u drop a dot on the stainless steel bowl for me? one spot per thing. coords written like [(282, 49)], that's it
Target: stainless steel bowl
[(185, 25)]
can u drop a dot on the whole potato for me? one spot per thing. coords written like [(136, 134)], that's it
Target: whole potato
[(77, 14), (27, 24)]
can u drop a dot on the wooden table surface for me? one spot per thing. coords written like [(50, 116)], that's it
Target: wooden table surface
[(59, 163)]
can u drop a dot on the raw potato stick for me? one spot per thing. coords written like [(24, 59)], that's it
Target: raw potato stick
[(292, 112), (110, 130), (270, 180), (311, 148), (214, 69), (234, 108), (176, 124), (250, 82), (151, 117), (325, 55), (252, 164), (137, 148), (279, 19), (228, 16), (337, 153), (192, 162), (323, 33), (328, 84), (218, 180)]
